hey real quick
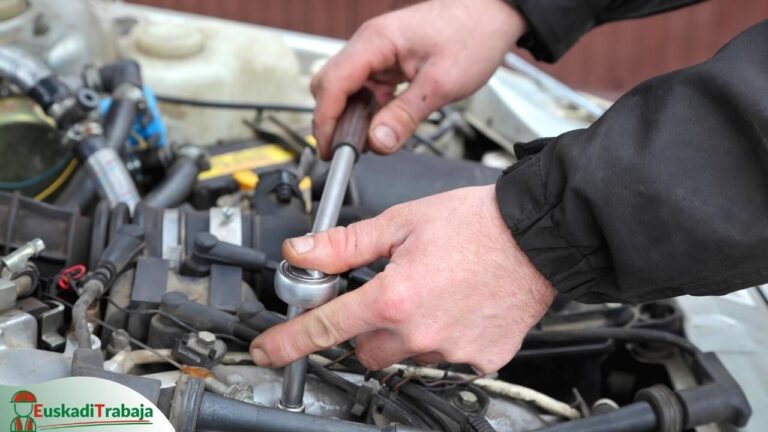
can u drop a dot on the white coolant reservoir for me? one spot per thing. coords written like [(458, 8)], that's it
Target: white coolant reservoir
[(212, 60)]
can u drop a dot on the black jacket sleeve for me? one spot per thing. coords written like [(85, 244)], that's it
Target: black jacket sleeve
[(555, 25), (666, 194)]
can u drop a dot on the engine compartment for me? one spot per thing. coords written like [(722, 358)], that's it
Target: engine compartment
[(134, 253)]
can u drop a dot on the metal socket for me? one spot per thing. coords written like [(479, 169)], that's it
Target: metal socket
[(297, 287)]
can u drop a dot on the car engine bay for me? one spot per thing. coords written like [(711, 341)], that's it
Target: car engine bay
[(142, 214)]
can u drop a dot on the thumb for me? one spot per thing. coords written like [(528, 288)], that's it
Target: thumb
[(342, 248), (398, 120)]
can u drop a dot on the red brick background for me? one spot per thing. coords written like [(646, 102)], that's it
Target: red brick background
[(610, 59)]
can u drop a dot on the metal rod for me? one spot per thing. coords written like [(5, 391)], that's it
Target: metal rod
[(327, 217), (335, 188), (294, 377)]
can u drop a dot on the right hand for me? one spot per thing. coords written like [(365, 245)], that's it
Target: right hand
[(457, 287), (446, 49)]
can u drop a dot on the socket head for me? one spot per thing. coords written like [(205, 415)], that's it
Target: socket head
[(300, 288)]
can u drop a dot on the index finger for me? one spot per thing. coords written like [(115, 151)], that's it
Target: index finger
[(336, 321), (344, 74)]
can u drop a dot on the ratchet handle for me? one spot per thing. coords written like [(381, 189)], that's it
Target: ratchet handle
[(352, 128)]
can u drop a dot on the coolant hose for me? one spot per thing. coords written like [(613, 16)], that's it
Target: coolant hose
[(118, 123), (107, 171), (119, 73), (635, 417), (181, 178), (221, 413), (80, 192), (123, 79)]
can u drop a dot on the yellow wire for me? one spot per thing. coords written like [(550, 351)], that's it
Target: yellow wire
[(56, 184)]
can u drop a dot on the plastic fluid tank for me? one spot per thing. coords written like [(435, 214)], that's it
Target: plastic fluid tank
[(212, 60)]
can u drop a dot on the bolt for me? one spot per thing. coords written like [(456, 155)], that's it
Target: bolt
[(120, 341), (284, 193), (228, 213), (467, 400), (206, 339), (231, 391)]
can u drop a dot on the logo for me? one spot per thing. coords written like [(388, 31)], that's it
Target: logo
[(23, 404), (79, 403)]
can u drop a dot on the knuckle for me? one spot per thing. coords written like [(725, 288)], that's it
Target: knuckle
[(437, 85), (405, 112), (321, 332), (339, 239), (371, 26), (316, 83), (394, 214), (419, 342), (395, 306), (356, 235), (493, 362), (488, 365)]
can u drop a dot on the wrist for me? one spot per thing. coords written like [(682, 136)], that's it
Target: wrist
[(508, 13), (498, 15)]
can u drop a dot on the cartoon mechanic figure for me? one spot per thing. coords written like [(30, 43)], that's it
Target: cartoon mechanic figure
[(22, 405)]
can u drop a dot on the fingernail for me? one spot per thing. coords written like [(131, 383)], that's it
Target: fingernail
[(259, 357), (302, 244), (385, 137)]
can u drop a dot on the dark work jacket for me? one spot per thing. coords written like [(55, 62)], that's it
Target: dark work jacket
[(667, 193)]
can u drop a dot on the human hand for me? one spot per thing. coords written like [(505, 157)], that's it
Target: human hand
[(457, 287), (446, 49)]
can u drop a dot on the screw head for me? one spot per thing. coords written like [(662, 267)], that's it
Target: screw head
[(206, 339), (228, 212), (467, 400)]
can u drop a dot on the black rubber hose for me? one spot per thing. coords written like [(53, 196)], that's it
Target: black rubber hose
[(177, 185), (99, 232), (332, 378), (243, 332), (619, 334), (221, 413), (80, 192), (118, 123), (635, 417), (120, 72)]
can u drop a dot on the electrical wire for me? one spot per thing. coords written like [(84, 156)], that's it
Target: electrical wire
[(233, 105), (23, 184), (132, 339), (175, 320), (60, 180)]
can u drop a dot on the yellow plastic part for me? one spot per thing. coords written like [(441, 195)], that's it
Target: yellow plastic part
[(247, 180), (252, 158), (305, 184)]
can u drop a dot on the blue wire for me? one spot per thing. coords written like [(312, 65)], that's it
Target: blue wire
[(50, 172)]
